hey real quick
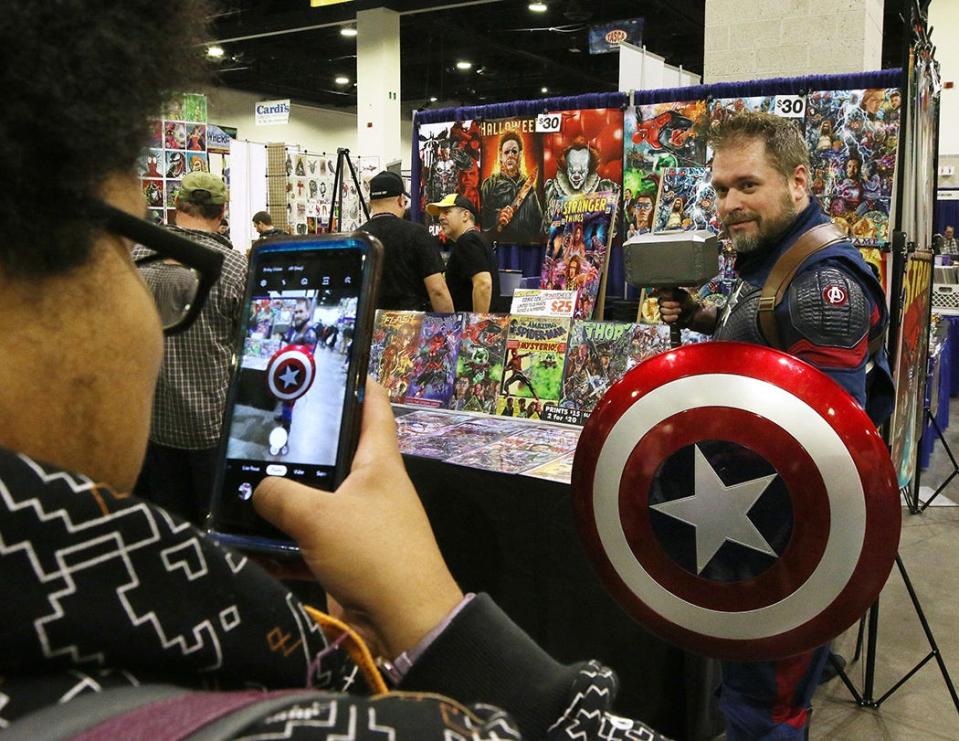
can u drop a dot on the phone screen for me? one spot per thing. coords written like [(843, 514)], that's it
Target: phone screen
[(292, 404)]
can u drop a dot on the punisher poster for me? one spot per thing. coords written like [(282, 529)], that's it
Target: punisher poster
[(853, 140), (449, 163), (533, 368), (511, 191), (577, 247), (434, 367), (292, 377), (687, 201), (479, 363), (585, 156), (657, 137)]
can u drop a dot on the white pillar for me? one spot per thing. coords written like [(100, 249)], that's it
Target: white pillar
[(758, 39), (378, 84)]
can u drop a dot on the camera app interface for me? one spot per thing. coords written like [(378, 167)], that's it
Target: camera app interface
[(292, 378)]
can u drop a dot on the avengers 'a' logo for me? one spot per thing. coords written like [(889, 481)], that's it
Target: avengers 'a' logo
[(737, 501), (290, 372)]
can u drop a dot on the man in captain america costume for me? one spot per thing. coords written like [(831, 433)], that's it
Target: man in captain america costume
[(832, 308)]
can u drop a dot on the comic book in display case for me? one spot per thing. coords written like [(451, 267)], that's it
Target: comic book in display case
[(178, 145), (500, 392)]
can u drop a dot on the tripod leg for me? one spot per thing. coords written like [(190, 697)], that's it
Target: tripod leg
[(356, 182), (872, 640), (952, 458), (929, 636), (337, 196)]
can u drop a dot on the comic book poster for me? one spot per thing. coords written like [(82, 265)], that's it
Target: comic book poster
[(193, 107), (174, 135), (196, 137), (395, 335), (172, 190), (426, 423), (511, 190), (656, 137), (853, 140), (149, 163), (788, 106), (560, 470), (197, 162), (434, 367), (153, 192), (533, 368), (156, 134), (479, 363), (546, 439), (577, 247), (687, 201), (174, 164), (449, 163), (599, 354), (910, 366), (585, 156)]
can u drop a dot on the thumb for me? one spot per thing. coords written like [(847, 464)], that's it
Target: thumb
[(292, 507)]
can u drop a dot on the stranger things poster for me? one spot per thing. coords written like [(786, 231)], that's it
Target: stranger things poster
[(585, 156), (511, 190), (450, 156), (577, 247)]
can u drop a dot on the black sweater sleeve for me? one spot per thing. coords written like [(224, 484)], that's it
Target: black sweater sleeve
[(483, 657)]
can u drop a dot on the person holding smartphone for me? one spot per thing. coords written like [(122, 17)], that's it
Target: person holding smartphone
[(116, 612)]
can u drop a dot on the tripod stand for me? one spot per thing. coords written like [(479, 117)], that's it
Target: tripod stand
[(867, 697), (916, 505), (343, 156)]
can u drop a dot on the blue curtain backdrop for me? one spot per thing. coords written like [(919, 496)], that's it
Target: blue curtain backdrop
[(528, 258)]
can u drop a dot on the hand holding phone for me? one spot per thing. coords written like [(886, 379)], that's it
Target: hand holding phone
[(369, 543), (295, 398)]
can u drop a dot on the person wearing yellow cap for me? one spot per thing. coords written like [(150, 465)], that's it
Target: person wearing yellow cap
[(471, 271)]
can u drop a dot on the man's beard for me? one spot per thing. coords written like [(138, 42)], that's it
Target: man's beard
[(770, 230)]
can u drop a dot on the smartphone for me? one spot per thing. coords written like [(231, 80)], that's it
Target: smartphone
[(296, 394)]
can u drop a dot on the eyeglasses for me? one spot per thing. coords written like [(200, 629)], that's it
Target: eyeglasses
[(179, 273)]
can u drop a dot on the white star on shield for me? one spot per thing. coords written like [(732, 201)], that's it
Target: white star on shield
[(718, 512), (289, 376)]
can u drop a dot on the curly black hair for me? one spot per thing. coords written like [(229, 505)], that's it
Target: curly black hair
[(81, 80)]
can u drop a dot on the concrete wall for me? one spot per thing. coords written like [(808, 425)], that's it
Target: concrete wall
[(944, 20), (758, 39), (316, 129)]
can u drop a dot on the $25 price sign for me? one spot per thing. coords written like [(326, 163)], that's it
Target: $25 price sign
[(534, 302)]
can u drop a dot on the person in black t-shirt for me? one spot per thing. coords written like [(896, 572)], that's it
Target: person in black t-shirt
[(471, 272), (412, 265), (263, 223)]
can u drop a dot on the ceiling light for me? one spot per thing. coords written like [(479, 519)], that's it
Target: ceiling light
[(544, 89), (214, 51), (464, 65), (348, 31), (538, 7), (341, 80), (433, 99)]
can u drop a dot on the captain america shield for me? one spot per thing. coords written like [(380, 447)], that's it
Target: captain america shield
[(736, 501), (290, 372)]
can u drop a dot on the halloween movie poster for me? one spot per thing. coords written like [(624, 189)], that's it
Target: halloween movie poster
[(511, 190)]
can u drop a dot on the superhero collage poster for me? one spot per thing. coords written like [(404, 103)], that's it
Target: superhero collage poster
[(177, 146), (852, 137)]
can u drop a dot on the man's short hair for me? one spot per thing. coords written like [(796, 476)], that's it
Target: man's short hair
[(786, 148), (105, 91), (510, 136), (263, 217), (207, 211)]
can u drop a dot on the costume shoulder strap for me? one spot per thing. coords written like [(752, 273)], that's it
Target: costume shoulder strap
[(782, 273)]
